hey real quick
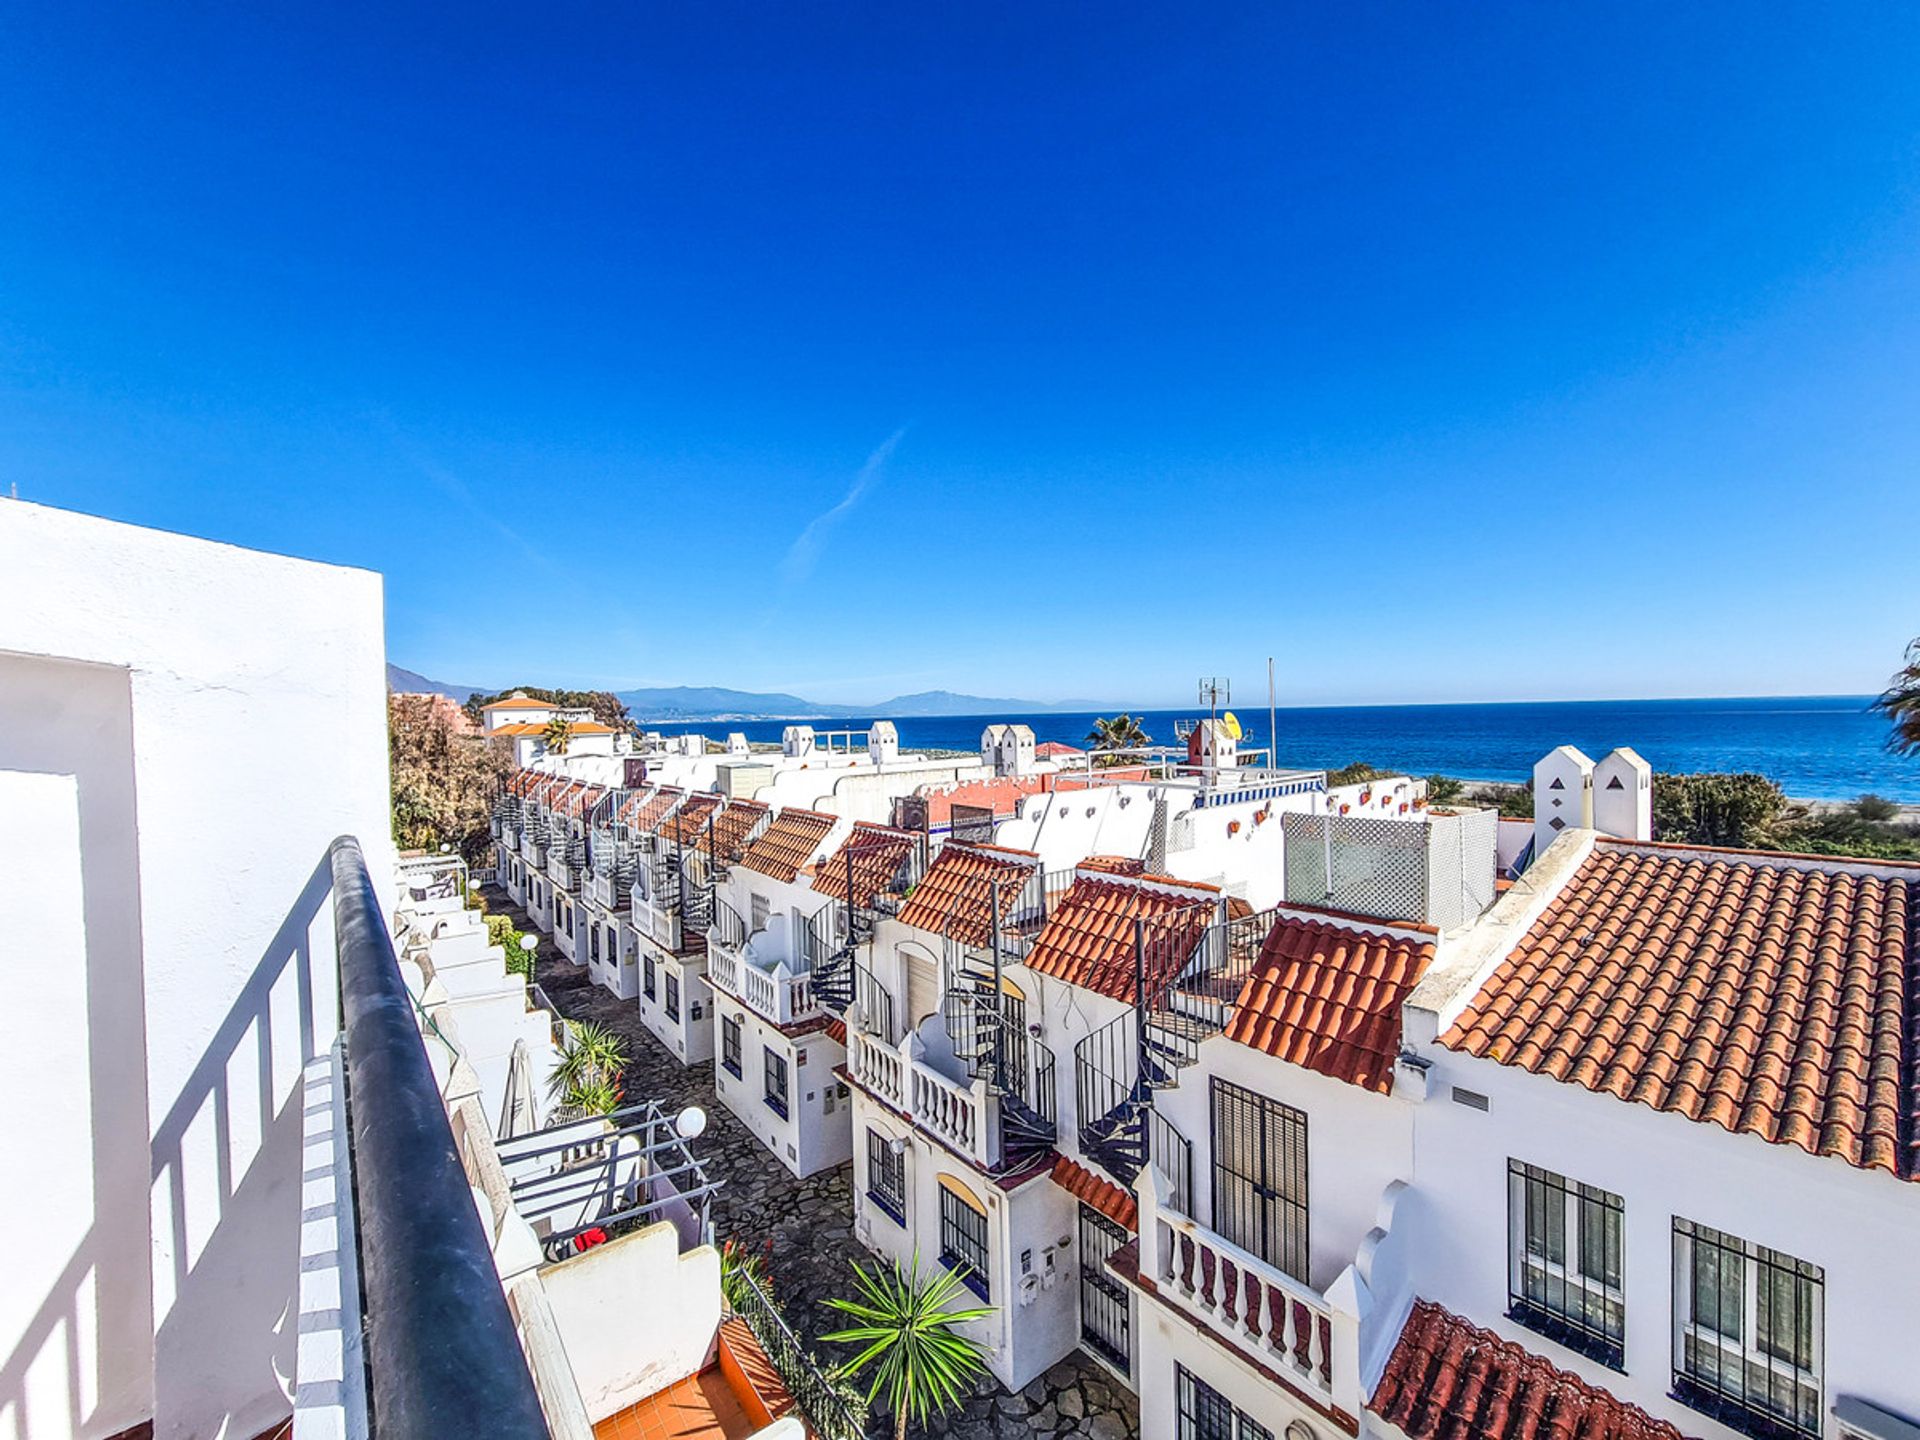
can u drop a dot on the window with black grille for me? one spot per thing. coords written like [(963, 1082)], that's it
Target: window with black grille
[(963, 1242), (593, 937), (1206, 1414), (1748, 1333), (673, 996), (1565, 1267), (776, 1076), (1260, 1176), (886, 1176), (730, 1044), (647, 982)]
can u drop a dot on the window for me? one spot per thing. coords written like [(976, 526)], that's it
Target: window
[(757, 904), (1205, 1414), (646, 976), (593, 935), (886, 1176), (776, 1073), (1105, 1312), (1747, 1333), (730, 1044), (673, 996), (1260, 1176), (1564, 1262), (963, 1241)]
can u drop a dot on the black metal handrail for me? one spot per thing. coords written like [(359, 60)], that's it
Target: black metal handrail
[(442, 1355), (831, 1412)]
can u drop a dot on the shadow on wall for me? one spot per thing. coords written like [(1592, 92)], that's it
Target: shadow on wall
[(225, 1169)]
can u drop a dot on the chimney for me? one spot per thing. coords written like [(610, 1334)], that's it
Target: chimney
[(737, 744), (1562, 795), (1623, 795), (883, 742), (796, 741)]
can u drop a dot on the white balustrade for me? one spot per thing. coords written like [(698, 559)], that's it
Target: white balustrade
[(1288, 1326), (723, 966), (782, 998), (959, 1114), (879, 1067)]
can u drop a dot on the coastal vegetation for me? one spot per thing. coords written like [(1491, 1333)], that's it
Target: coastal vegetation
[(1121, 732), (443, 779), (1900, 703), (607, 708)]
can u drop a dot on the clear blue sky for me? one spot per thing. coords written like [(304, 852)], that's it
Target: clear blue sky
[(1445, 352)]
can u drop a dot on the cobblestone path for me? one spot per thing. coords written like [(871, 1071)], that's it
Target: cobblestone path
[(806, 1226)]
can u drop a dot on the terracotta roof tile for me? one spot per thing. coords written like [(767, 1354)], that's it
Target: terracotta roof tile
[(690, 820), (877, 854), (1328, 998), (1768, 998), (658, 806), (1450, 1380), (1102, 1194), (1088, 939), (788, 843), (956, 894), (733, 825)]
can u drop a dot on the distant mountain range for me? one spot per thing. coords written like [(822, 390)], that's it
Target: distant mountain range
[(708, 702)]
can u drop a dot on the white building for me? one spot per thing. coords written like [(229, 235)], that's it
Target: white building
[(775, 1055), (212, 1232)]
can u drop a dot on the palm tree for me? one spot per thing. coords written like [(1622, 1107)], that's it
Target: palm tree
[(1122, 732), (1901, 705), (587, 1079), (921, 1363), (556, 735)]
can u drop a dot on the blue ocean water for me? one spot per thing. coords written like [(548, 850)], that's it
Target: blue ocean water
[(1817, 747)]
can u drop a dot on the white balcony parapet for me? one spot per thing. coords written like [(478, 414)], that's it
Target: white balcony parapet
[(1310, 1338), (960, 1114), (880, 1068)]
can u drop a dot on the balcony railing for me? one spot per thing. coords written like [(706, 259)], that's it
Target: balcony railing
[(783, 998), (723, 970), (443, 1356), (963, 1115), (1286, 1325)]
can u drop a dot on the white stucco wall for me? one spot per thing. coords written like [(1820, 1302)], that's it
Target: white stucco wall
[(1848, 1221), (251, 733)]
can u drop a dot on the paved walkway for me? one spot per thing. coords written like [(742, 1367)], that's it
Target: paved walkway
[(805, 1227)]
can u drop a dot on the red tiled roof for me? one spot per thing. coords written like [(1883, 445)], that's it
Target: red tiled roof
[(1114, 865), (580, 804), (1768, 998), (649, 815), (691, 818), (788, 843), (1102, 1194), (518, 702), (635, 802), (733, 824), (956, 894), (1328, 998), (1088, 939), (877, 853), (1002, 795), (1054, 750), (1450, 1380), (838, 1030)]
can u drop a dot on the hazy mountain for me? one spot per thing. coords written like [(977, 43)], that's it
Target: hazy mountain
[(701, 702), (408, 682), (715, 702)]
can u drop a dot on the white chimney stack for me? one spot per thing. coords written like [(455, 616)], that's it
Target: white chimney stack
[(1623, 795), (883, 742), (1562, 795)]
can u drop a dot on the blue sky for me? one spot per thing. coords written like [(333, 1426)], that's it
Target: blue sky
[(1046, 351)]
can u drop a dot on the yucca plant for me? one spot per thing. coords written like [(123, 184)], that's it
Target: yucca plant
[(588, 1075), (920, 1364)]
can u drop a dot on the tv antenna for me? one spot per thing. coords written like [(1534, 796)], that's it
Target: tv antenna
[(1215, 691)]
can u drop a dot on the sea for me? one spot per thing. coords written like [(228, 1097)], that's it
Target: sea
[(1816, 747)]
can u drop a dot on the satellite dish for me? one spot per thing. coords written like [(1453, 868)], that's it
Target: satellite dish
[(1232, 723)]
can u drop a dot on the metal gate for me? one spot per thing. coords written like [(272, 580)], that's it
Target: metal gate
[(1260, 1176), (1105, 1328)]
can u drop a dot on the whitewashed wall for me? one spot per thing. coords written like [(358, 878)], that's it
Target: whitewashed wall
[(189, 793)]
